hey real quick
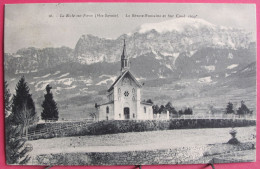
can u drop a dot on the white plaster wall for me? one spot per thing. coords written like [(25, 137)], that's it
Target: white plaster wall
[(132, 101), (121, 101), (148, 115), (103, 113), (150, 109)]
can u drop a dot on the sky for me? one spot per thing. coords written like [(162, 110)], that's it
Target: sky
[(42, 25)]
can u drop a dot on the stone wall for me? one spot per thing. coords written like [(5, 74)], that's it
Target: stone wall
[(122, 126)]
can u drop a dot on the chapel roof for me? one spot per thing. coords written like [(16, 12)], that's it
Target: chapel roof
[(110, 102), (119, 78)]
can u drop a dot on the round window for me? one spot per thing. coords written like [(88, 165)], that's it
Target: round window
[(126, 93)]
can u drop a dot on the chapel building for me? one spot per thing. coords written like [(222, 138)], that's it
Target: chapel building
[(124, 97)]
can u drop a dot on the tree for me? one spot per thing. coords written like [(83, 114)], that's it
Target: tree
[(7, 96), (171, 109), (168, 106), (149, 101), (155, 109), (243, 110), (16, 149), (16, 152), (50, 109), (212, 109), (180, 112), (229, 109), (188, 111), (161, 109), (23, 108), (93, 115)]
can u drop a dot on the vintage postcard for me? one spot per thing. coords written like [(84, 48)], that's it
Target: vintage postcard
[(130, 83)]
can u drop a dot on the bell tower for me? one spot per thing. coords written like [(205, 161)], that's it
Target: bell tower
[(125, 65)]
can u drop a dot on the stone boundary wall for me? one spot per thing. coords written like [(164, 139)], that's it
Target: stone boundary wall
[(122, 126), (182, 155)]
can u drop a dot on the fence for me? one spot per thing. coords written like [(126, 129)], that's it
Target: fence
[(204, 116), (217, 116)]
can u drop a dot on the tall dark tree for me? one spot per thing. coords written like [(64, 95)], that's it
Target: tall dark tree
[(243, 110), (23, 108), (155, 109), (16, 151), (50, 109), (180, 112), (7, 96), (170, 108), (16, 147), (229, 108), (161, 109)]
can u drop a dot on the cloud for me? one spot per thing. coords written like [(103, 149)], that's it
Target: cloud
[(30, 25)]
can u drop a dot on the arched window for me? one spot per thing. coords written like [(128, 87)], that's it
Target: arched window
[(119, 115), (107, 109), (133, 98), (119, 91), (133, 115), (133, 90), (144, 109)]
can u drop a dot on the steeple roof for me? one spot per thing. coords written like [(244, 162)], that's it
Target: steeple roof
[(124, 56)]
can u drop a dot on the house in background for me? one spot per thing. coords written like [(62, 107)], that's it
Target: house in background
[(124, 97)]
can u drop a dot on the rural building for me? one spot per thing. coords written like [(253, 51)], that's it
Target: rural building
[(124, 97)]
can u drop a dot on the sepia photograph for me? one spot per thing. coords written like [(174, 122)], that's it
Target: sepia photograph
[(129, 83)]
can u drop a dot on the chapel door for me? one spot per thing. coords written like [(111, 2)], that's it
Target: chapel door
[(127, 113)]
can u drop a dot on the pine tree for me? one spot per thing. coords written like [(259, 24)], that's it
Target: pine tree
[(7, 96), (171, 109), (155, 109), (229, 109), (16, 152), (23, 108), (243, 110), (168, 106), (16, 149), (50, 110), (161, 109)]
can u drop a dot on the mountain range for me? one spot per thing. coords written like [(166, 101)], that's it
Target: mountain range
[(190, 57)]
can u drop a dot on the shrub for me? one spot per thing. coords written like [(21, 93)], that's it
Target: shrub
[(116, 126), (111, 127)]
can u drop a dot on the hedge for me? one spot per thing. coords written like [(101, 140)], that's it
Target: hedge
[(116, 126), (113, 127)]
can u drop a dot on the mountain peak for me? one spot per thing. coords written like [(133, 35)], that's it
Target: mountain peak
[(179, 25)]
